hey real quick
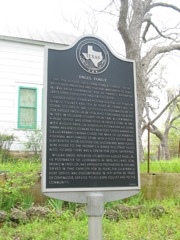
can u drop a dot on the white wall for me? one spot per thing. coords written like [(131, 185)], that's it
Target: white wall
[(21, 64)]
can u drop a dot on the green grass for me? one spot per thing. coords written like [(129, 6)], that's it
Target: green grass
[(74, 225), (42, 229), (21, 166), (163, 166)]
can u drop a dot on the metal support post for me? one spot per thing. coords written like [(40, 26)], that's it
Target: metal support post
[(95, 211)]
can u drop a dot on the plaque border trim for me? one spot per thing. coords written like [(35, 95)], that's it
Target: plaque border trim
[(69, 194)]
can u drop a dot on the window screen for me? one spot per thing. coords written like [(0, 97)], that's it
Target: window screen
[(27, 107)]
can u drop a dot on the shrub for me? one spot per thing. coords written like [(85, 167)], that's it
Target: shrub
[(5, 145), (34, 141), (22, 175), (12, 192)]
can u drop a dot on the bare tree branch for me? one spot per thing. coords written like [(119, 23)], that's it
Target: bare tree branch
[(155, 64), (155, 50), (176, 128), (171, 110), (158, 116), (150, 23), (164, 109), (160, 4), (104, 10), (155, 131), (145, 31), (173, 119)]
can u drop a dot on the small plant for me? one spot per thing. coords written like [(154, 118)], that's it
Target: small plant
[(55, 204), (72, 206), (34, 141), (27, 201)]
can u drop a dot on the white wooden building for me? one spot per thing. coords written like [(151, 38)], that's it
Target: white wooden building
[(21, 79)]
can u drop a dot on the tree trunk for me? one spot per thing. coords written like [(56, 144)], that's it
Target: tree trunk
[(131, 36), (165, 155)]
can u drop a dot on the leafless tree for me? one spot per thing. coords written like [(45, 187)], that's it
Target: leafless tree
[(173, 104), (85, 25), (145, 42)]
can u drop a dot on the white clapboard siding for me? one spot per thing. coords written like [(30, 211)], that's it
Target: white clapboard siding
[(23, 70), (20, 47), (6, 88), (21, 65), (21, 62), (5, 96), (20, 57), (7, 103), (18, 77), (15, 63)]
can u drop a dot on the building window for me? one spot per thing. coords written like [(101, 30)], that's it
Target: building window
[(27, 108)]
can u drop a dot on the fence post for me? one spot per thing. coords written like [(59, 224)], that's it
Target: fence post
[(148, 160)]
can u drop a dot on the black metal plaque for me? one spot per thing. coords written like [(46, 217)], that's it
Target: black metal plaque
[(90, 118)]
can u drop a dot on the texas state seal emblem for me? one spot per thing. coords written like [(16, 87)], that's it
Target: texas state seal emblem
[(92, 55)]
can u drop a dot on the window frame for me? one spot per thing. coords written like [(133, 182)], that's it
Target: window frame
[(19, 108)]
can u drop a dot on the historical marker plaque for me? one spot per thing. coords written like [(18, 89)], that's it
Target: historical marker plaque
[(90, 119)]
